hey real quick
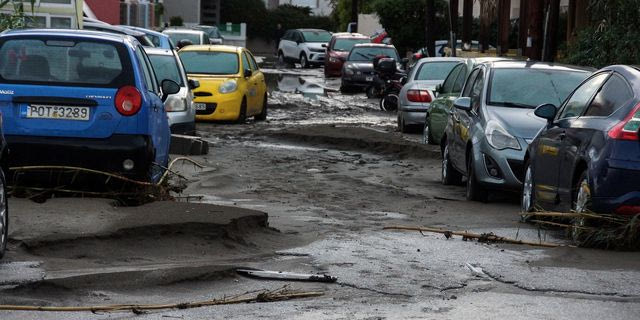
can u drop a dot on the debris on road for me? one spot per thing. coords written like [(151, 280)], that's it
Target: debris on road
[(188, 145), (280, 294), (485, 237), (281, 275), (476, 271)]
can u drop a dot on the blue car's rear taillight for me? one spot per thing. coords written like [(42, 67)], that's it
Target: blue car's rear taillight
[(629, 128), (128, 100)]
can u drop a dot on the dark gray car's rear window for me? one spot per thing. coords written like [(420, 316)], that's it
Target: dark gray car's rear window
[(65, 62), (166, 67)]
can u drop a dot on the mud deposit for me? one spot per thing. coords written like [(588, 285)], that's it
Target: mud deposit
[(309, 191)]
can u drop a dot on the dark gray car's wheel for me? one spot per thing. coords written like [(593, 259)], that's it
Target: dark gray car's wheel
[(475, 191), (450, 176), (528, 198), (581, 204), (304, 62), (263, 114), (4, 216)]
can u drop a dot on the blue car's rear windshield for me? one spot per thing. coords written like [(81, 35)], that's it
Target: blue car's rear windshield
[(529, 88), (65, 62), (369, 53), (435, 70), (210, 62)]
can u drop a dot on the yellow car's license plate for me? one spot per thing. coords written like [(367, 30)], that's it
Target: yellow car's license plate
[(57, 112)]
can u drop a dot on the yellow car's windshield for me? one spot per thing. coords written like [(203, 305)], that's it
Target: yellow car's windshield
[(210, 62)]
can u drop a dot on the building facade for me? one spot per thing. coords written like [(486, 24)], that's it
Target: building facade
[(193, 12), (61, 14), (318, 7)]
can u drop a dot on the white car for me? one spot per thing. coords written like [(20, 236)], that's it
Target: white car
[(304, 46), (194, 36)]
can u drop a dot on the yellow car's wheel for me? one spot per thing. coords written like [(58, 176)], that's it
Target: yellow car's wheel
[(242, 116), (263, 114)]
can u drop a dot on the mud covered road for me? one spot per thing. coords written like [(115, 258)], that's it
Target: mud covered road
[(309, 191)]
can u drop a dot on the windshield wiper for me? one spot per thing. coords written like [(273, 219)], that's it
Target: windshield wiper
[(509, 104)]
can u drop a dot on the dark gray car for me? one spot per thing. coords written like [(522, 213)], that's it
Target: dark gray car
[(492, 122), (357, 71)]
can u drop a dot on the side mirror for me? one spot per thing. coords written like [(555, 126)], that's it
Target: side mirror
[(324, 45), (194, 84), (169, 87), (546, 111), (439, 88), (247, 73), (463, 103)]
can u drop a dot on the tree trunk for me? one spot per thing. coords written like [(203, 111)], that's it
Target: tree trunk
[(504, 26), (467, 23), (430, 14)]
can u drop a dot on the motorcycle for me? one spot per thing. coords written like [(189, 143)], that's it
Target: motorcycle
[(387, 83)]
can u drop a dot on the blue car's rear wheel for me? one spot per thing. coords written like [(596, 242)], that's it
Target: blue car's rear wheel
[(4, 216)]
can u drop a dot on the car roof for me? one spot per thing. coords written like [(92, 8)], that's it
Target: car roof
[(182, 30), (86, 34), (144, 30), (117, 29), (318, 30), (349, 35), (442, 59), (507, 64), (373, 45), (158, 51), (215, 48)]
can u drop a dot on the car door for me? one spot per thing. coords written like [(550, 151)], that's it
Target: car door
[(465, 120), (252, 86), (438, 111), (551, 147), (298, 44), (259, 80), (285, 43)]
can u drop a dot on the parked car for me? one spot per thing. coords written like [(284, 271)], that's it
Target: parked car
[(212, 32), (443, 45), (232, 87), (492, 122), (84, 99), (195, 37), (159, 39), (304, 46), (338, 50), (358, 70), (4, 207), (179, 106), (417, 93), (587, 156), (103, 27), (436, 116)]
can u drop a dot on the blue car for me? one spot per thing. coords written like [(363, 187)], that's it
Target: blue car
[(85, 99), (159, 39), (587, 157)]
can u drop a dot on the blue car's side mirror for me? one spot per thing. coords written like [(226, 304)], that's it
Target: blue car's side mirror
[(463, 103), (546, 111)]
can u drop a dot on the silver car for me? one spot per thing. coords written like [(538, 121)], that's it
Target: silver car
[(416, 95), (180, 107)]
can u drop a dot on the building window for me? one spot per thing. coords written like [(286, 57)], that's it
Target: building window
[(37, 22), (60, 22), (56, 1)]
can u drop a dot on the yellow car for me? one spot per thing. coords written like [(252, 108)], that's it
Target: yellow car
[(232, 87)]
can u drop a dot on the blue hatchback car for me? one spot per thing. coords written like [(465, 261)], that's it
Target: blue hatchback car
[(83, 98), (587, 157)]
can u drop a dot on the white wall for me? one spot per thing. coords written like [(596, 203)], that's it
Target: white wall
[(318, 7)]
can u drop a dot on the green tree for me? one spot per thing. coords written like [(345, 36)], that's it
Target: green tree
[(612, 38), (18, 17), (341, 14)]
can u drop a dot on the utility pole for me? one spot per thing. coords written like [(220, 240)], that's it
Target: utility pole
[(485, 25), (453, 26), (522, 29), (467, 23), (551, 31), (354, 14), (430, 27), (535, 27), (504, 26)]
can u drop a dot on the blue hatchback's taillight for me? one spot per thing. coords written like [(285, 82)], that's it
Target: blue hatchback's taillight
[(629, 128)]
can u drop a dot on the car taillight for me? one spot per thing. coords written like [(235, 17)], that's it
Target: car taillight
[(628, 210), (128, 100), (629, 127), (418, 96)]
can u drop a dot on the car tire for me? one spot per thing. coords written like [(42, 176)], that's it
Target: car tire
[(475, 191), (581, 203), (4, 215), (345, 89), (450, 176), (304, 61), (262, 116), (281, 59), (427, 138), (242, 117), (528, 196), (401, 125)]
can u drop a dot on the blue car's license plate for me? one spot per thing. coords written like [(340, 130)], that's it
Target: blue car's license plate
[(56, 112)]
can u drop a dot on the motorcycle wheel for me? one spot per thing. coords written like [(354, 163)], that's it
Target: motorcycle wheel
[(389, 102)]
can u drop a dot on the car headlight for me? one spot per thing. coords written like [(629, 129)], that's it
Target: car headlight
[(333, 59), (348, 72), (499, 138), (174, 103), (228, 87)]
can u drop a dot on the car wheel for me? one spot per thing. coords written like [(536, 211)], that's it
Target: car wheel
[(263, 114), (401, 125), (345, 89), (242, 117), (450, 176), (304, 63), (528, 198), (581, 203), (427, 138), (4, 216), (475, 191)]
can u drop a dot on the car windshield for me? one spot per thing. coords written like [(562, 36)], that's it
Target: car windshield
[(347, 44), (177, 36), (316, 36), (369, 53), (529, 88), (210, 62), (166, 67), (435, 70), (64, 62)]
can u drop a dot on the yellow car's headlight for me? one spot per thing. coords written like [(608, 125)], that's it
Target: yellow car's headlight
[(228, 87)]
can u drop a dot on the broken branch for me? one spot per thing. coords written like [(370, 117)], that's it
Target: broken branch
[(481, 237)]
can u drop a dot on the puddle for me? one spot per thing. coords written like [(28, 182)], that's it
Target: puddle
[(310, 84)]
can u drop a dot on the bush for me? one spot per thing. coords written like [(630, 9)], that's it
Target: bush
[(613, 37), (176, 21)]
